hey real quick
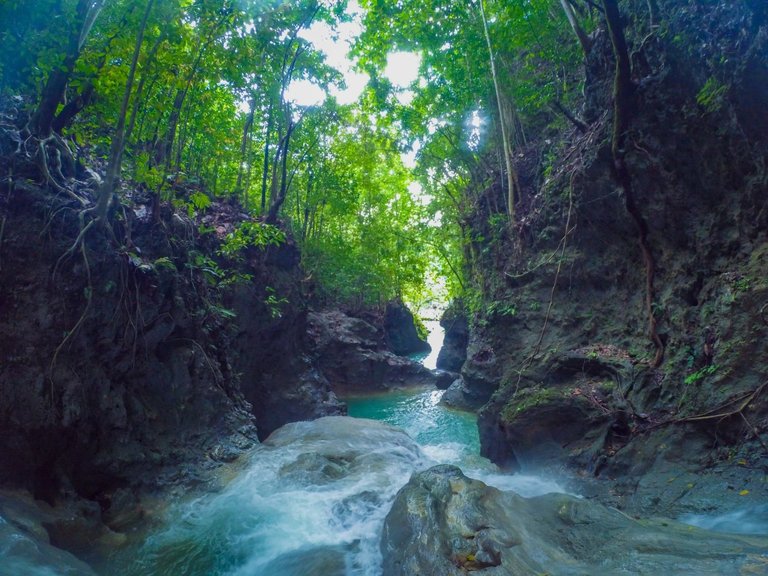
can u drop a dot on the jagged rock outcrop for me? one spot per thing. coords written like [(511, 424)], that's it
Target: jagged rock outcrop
[(115, 370), (351, 355), (284, 382), (453, 354), (445, 523), (400, 330)]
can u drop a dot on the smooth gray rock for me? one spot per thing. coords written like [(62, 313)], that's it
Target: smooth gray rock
[(445, 523), (460, 397)]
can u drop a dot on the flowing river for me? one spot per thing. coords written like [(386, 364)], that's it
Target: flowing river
[(311, 500)]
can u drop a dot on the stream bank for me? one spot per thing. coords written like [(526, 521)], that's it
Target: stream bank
[(135, 372)]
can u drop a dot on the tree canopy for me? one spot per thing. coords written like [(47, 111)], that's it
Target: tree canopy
[(204, 93)]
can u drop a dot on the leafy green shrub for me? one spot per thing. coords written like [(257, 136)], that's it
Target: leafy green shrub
[(710, 97), (274, 302), (421, 329), (499, 308), (701, 374), (253, 234)]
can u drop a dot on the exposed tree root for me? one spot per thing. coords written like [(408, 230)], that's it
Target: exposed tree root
[(735, 406), (79, 243), (564, 242), (214, 373), (625, 180), (2, 232), (60, 150), (623, 110), (78, 324), (561, 247)]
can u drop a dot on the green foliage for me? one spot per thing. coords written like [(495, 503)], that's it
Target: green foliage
[(247, 234), (215, 275), (198, 202), (209, 111), (274, 303), (165, 263), (499, 308), (359, 228), (421, 329), (711, 95), (144, 173), (701, 374), (742, 284)]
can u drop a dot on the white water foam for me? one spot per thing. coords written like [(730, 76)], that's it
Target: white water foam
[(752, 520), (315, 491)]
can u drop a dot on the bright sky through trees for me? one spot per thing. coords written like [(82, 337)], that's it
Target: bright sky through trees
[(334, 42), (402, 68)]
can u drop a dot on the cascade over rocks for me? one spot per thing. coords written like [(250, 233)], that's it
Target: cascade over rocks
[(445, 523)]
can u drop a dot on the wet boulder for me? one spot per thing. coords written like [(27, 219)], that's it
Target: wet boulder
[(540, 426), (458, 396), (445, 523)]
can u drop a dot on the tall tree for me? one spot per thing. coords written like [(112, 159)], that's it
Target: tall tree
[(107, 189), (55, 87)]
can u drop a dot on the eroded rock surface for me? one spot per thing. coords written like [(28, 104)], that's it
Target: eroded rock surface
[(454, 351), (562, 334), (351, 355), (445, 523)]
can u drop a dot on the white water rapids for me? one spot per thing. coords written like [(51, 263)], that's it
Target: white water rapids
[(312, 499)]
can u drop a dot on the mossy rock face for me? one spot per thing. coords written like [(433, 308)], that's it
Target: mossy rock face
[(592, 361), (545, 425)]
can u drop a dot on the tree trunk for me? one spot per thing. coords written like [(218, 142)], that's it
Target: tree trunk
[(107, 189), (623, 89), (41, 123), (244, 146), (77, 104), (581, 126), (166, 149), (506, 144), (140, 89), (265, 168), (163, 155), (277, 202), (586, 43)]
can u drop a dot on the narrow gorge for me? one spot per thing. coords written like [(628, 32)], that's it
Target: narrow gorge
[(372, 288)]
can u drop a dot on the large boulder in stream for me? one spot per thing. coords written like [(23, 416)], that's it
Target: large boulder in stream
[(400, 330), (459, 396), (453, 353), (445, 523)]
